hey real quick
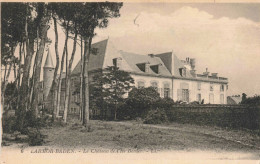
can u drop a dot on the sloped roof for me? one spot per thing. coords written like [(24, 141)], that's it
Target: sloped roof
[(134, 59), (173, 64), (177, 65), (167, 59), (236, 99), (95, 60), (48, 61)]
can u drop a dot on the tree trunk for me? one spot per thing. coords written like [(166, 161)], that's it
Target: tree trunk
[(43, 37), (61, 71), (14, 70), (68, 77), (31, 85), (23, 96), (19, 75), (54, 86), (81, 80), (86, 83)]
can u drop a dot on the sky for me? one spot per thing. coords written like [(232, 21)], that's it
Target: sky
[(225, 38)]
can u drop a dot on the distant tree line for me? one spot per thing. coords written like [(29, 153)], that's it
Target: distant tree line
[(255, 100)]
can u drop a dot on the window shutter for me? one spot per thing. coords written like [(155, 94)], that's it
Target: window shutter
[(179, 95)]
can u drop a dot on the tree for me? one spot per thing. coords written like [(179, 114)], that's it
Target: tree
[(92, 15), (66, 13), (54, 84), (243, 97), (42, 23), (116, 83), (141, 100), (12, 19), (108, 87), (255, 100)]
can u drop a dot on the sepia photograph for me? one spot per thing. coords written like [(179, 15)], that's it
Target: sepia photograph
[(88, 82)]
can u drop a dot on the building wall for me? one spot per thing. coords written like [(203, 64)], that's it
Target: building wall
[(204, 90), (149, 79), (174, 86)]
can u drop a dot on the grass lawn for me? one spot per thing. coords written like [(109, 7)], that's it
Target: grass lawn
[(138, 137), (134, 135)]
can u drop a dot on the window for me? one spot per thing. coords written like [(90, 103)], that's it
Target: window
[(166, 89), (199, 86), (211, 98), (222, 99), (211, 87), (117, 62), (154, 85), (140, 84), (199, 97), (155, 68), (222, 87), (185, 95), (144, 67), (183, 71)]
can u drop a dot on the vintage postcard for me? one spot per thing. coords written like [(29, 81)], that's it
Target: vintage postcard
[(130, 82)]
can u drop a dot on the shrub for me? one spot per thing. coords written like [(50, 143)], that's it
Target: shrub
[(140, 101), (164, 103), (157, 116), (35, 137), (8, 124), (251, 100), (31, 121)]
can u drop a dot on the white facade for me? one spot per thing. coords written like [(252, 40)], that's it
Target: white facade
[(197, 90), (205, 91), (172, 77)]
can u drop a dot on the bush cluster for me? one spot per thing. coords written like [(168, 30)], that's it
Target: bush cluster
[(255, 100), (8, 124), (157, 116), (145, 103), (31, 127)]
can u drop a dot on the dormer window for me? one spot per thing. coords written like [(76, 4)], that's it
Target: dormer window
[(183, 71), (156, 68), (144, 67), (117, 62)]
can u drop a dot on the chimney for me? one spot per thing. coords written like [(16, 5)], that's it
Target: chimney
[(192, 63), (206, 73), (193, 72)]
